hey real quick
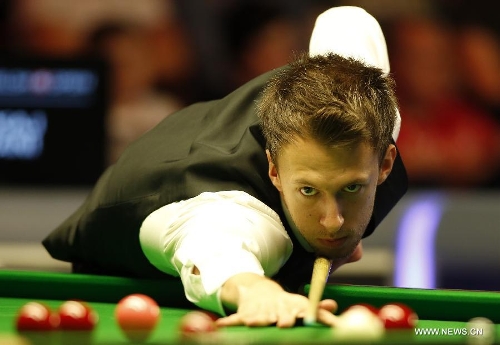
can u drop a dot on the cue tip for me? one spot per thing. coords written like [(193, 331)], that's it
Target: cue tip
[(309, 321)]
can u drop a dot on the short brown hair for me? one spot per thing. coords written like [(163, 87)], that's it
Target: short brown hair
[(335, 100)]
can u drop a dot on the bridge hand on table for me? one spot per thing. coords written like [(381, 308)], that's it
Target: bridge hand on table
[(266, 303)]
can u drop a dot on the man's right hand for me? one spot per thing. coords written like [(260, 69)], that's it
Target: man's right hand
[(259, 301)]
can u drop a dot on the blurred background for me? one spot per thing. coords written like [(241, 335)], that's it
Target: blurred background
[(81, 80)]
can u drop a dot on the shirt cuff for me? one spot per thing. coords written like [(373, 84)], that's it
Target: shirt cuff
[(204, 289)]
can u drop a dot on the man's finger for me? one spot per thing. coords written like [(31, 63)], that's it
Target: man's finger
[(231, 320), (237, 320), (286, 320), (327, 318), (329, 304)]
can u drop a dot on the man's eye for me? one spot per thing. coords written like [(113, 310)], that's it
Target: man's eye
[(308, 191), (353, 188)]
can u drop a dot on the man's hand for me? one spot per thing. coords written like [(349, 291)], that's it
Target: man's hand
[(260, 301)]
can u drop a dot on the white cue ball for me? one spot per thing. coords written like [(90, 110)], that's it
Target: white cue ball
[(359, 323), (480, 331)]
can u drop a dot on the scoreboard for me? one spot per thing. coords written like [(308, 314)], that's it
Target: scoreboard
[(52, 121)]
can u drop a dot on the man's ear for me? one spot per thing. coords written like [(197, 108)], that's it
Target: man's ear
[(273, 172), (387, 163)]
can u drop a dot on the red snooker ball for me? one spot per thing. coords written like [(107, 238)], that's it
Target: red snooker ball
[(137, 316), (35, 316), (78, 316), (197, 322), (398, 316)]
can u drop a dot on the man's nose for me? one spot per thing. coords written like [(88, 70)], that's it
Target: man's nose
[(332, 218)]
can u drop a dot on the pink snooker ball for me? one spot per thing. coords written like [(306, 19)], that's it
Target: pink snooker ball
[(137, 316)]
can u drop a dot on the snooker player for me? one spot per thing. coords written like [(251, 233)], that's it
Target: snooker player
[(238, 196)]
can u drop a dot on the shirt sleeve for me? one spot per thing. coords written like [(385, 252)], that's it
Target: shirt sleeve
[(222, 234)]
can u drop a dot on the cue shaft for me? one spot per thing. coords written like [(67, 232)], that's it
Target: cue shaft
[(320, 274)]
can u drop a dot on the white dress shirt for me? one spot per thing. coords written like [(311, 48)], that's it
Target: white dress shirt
[(221, 234)]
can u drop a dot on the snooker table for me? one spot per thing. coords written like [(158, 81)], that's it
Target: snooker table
[(444, 310)]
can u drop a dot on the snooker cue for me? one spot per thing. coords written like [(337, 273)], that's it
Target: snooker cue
[(320, 274)]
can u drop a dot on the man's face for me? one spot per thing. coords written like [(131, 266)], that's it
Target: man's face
[(329, 192)]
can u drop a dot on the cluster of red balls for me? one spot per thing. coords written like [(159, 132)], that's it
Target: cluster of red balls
[(71, 315)]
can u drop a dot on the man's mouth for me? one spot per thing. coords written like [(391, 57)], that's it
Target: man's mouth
[(332, 242)]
